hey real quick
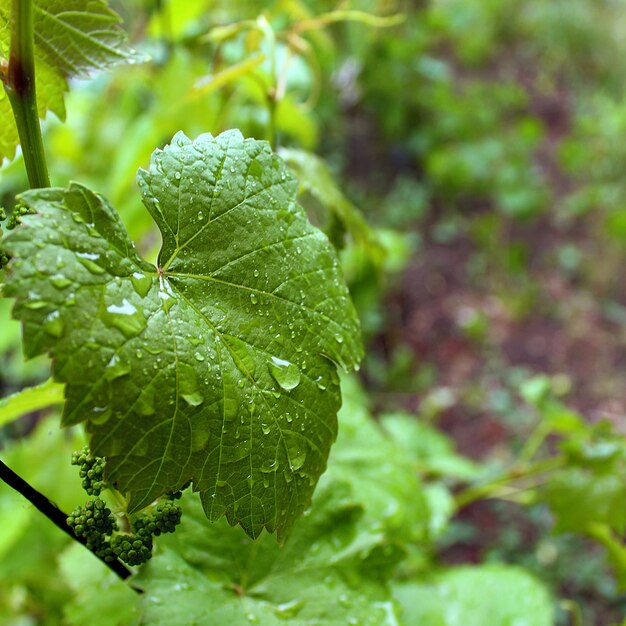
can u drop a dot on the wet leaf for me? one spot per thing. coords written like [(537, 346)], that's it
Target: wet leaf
[(219, 364)]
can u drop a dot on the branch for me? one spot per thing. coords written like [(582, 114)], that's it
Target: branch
[(54, 514)]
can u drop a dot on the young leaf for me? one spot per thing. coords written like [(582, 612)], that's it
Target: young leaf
[(328, 573), (72, 38), (219, 364)]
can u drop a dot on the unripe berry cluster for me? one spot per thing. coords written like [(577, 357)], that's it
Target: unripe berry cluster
[(92, 522), (95, 524), (91, 470)]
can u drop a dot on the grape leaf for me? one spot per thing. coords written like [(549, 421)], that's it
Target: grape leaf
[(97, 596), (72, 38), (219, 364), (328, 573)]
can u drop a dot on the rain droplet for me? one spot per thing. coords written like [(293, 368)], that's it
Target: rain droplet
[(141, 283), (60, 281), (269, 466), (286, 374), (296, 459), (53, 324), (199, 356), (125, 317), (253, 298), (116, 368), (193, 399), (88, 261)]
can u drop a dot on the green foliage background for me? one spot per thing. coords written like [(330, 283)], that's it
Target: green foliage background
[(467, 125)]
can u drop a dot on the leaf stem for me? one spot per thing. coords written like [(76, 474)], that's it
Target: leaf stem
[(486, 490), (54, 514), (19, 84)]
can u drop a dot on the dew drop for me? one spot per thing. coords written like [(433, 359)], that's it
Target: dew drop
[(125, 317), (287, 610), (60, 281), (286, 374), (141, 283), (53, 324)]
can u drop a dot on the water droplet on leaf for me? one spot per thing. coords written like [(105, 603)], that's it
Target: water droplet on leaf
[(88, 261), (286, 374), (125, 317), (60, 281), (116, 368), (53, 324), (141, 283)]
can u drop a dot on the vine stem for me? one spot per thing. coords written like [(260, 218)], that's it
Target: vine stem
[(19, 84), (486, 490), (54, 514)]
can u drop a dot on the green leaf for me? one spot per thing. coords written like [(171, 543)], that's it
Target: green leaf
[(431, 450), (327, 573), (72, 38), (380, 471), (219, 364), (579, 497), (496, 595), (98, 595), (35, 398)]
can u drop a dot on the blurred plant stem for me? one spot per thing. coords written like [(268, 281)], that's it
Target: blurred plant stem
[(514, 473)]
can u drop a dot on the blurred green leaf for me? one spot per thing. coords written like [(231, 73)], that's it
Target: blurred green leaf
[(98, 595), (493, 595), (579, 497), (327, 573), (42, 396)]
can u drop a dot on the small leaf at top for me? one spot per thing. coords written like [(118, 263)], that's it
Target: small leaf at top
[(218, 365), (72, 38)]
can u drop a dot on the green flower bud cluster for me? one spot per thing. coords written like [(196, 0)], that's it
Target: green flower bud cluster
[(95, 524), (91, 470), (92, 522), (132, 549), (14, 218)]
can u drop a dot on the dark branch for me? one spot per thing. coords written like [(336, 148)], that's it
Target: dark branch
[(54, 514)]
